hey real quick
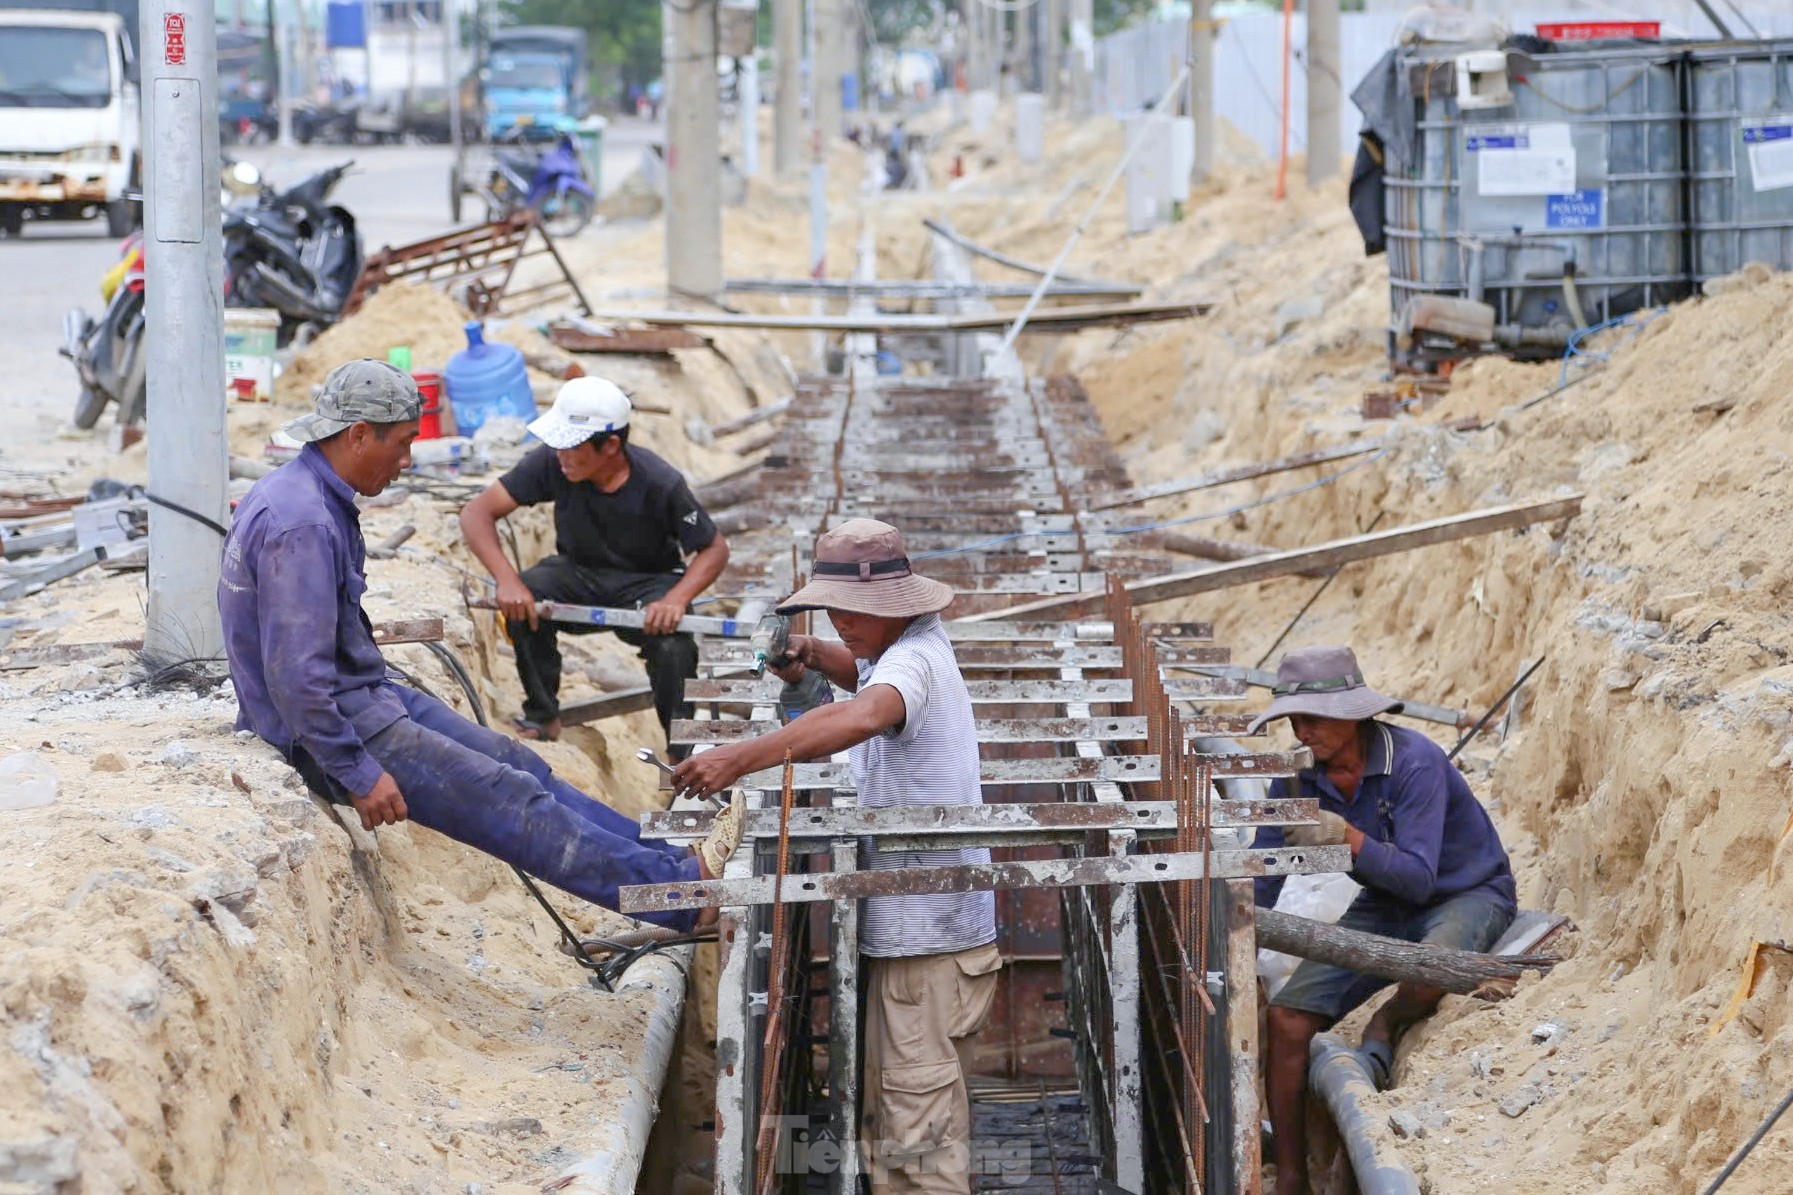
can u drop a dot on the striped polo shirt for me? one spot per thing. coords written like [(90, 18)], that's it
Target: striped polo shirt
[(931, 759)]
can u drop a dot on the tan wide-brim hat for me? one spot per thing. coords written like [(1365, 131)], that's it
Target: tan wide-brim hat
[(1326, 683), (862, 567)]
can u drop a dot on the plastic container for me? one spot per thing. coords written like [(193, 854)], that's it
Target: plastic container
[(486, 379), (429, 423), (250, 335), (1582, 174), (26, 781), (1740, 117)]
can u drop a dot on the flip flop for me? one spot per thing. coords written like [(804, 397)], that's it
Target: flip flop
[(1378, 1058), (534, 731)]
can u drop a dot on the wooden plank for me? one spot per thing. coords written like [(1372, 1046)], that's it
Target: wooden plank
[(985, 877), (932, 820), (642, 342), (1327, 555), (1093, 315), (924, 290)]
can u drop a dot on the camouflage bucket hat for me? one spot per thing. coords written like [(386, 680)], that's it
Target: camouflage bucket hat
[(364, 391)]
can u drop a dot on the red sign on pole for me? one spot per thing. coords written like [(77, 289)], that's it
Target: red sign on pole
[(174, 38)]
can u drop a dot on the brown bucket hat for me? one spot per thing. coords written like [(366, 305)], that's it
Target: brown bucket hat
[(862, 567), (1325, 682)]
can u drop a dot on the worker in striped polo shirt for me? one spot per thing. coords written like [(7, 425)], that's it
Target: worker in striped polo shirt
[(931, 960)]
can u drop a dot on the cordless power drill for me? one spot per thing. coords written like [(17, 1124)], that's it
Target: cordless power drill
[(771, 647)]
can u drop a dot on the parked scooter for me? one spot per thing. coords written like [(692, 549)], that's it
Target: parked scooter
[(108, 353), (553, 183), (295, 252)]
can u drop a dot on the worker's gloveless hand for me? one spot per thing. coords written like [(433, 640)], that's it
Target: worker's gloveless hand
[(800, 649), (662, 617), (787, 669), (383, 805), (517, 603), (707, 773)]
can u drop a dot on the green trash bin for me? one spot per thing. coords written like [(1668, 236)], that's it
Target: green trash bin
[(590, 133)]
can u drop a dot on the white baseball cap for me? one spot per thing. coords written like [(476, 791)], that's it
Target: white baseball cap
[(585, 407)]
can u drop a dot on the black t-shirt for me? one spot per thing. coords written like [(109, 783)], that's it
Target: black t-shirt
[(641, 528)]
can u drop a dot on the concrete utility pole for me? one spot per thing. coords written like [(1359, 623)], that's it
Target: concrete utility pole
[(1083, 56), (826, 67), (1322, 90), (693, 149), (283, 44), (787, 112), (451, 72), (1201, 86), (184, 337), (749, 114), (1026, 47), (1054, 56)]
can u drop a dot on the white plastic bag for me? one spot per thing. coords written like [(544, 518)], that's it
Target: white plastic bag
[(26, 781)]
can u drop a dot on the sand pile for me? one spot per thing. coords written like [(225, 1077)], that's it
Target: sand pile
[(1645, 791)]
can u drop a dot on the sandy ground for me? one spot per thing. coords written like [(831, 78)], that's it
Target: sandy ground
[(1644, 792), (245, 946)]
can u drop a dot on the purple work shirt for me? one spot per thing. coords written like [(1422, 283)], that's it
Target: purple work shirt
[(1426, 837), (302, 654)]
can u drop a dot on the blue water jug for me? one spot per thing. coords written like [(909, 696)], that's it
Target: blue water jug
[(485, 381)]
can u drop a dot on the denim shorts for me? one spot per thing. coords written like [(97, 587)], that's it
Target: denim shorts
[(1472, 920)]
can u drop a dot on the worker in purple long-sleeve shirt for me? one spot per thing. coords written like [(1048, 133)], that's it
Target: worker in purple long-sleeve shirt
[(311, 681), (1429, 859)]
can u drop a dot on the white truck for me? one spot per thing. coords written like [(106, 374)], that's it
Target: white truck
[(70, 131)]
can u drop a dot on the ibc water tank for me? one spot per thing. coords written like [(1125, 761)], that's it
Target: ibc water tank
[(486, 380)]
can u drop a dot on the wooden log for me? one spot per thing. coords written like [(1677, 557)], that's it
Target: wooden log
[(1060, 319), (1282, 564), (1461, 971)]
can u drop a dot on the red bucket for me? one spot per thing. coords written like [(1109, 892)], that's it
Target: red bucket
[(429, 426)]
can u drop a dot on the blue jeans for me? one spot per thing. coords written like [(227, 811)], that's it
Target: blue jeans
[(1472, 920), (495, 794)]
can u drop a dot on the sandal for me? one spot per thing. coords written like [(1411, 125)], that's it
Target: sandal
[(1378, 1059), (542, 732)]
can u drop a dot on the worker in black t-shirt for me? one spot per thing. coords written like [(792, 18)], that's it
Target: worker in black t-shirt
[(624, 521)]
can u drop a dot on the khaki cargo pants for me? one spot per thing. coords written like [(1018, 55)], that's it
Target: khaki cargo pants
[(920, 1016)]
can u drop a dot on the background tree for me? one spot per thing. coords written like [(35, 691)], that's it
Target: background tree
[(625, 37)]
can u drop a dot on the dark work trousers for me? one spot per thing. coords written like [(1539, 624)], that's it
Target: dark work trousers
[(491, 792), (670, 658)]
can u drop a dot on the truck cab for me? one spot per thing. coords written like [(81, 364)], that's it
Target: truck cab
[(70, 137), (526, 89), (535, 79)]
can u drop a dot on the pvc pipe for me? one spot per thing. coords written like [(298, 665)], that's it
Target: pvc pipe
[(614, 1165), (1334, 1071)]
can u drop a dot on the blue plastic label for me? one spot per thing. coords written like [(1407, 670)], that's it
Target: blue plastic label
[(1480, 141), (1577, 209), (1755, 134)]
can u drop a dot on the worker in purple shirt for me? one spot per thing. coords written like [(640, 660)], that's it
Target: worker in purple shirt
[(1429, 859), (311, 681)]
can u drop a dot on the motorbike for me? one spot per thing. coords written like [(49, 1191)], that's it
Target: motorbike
[(552, 184), (108, 352), (295, 252)]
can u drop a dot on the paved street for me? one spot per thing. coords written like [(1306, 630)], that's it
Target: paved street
[(397, 193)]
